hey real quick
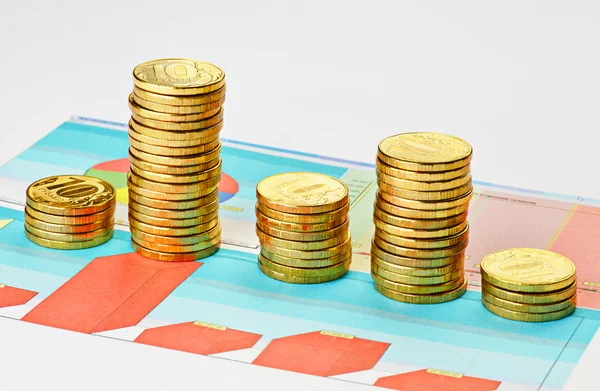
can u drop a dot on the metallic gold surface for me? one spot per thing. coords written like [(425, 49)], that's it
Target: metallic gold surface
[(441, 195), (441, 186), (180, 126), (326, 217), (429, 243), (418, 252), (170, 151), (68, 228), (313, 254), (404, 222), (531, 298), (341, 230), (60, 245), (173, 223), (177, 109), (421, 176), (299, 280), (178, 179), (191, 213), (425, 151), (380, 253), (186, 191), (177, 161), (306, 263), (70, 195), (176, 249), (171, 170), (181, 100), (418, 289), (169, 117), (68, 237), (174, 205), (178, 76), (302, 246), (302, 192), (434, 298), (527, 317), (419, 214), (415, 271), (426, 205), (419, 233), (528, 270), (177, 240), (159, 195), (297, 227), (416, 280), (181, 136), (170, 231), (529, 308), (174, 257), (159, 142), (303, 272), (71, 220)]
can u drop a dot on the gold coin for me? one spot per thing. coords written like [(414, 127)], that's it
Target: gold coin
[(173, 223), (426, 205), (441, 195), (302, 272), (420, 252), (421, 243), (169, 231), (176, 161), (434, 298), (177, 240), (190, 100), (167, 197), (404, 222), (527, 317), (304, 236), (71, 195), (318, 218), (415, 280), (450, 260), (417, 289), (529, 308), (527, 270), (300, 280), (172, 170), (178, 179), (169, 117), (531, 298), (177, 109), (174, 213), (71, 220), (174, 205), (297, 227), (422, 176), (178, 76), (406, 184), (159, 142), (174, 257), (68, 229), (313, 254), (425, 151), (60, 245), (302, 246), (176, 249), (302, 192), (416, 271), (191, 136), (185, 191), (419, 233), (419, 214), (170, 151), (180, 126), (306, 263), (62, 237)]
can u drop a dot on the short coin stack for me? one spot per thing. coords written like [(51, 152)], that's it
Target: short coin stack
[(302, 226), (528, 285), (70, 212), (421, 229), (174, 154)]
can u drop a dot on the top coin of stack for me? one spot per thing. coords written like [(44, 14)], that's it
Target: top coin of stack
[(70, 212), (302, 226), (420, 215), (177, 115), (528, 285)]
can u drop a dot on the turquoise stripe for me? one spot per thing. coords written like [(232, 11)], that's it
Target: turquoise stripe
[(31, 171), (43, 283), (109, 145)]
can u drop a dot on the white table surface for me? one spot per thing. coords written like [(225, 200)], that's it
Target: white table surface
[(519, 80)]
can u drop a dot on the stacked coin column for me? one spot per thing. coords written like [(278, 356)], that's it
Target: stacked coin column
[(174, 152), (302, 226), (421, 229), (70, 212)]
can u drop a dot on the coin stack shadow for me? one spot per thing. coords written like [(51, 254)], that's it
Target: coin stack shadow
[(175, 164), (70, 212), (303, 244), (420, 215), (528, 285)]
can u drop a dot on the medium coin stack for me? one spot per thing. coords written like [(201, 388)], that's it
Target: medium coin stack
[(174, 152), (420, 214), (528, 285), (70, 212), (302, 226)]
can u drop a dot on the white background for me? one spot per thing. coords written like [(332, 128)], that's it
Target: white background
[(520, 80)]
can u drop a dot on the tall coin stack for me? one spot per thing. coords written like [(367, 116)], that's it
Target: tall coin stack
[(174, 154), (70, 212), (528, 285), (302, 226), (420, 214)]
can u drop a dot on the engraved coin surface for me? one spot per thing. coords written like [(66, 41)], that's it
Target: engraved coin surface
[(178, 76)]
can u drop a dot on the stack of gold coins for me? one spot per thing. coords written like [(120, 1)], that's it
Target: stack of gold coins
[(70, 212), (528, 285), (421, 229), (174, 152), (302, 226)]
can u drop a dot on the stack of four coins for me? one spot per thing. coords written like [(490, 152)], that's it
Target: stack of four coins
[(174, 153), (302, 226)]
